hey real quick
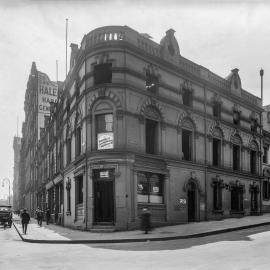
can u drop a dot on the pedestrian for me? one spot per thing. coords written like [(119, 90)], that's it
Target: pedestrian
[(39, 216), (48, 215), (25, 218)]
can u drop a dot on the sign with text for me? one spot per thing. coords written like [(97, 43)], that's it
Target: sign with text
[(104, 174), (47, 92), (105, 141)]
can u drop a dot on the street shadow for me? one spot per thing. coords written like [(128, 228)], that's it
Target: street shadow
[(241, 235)]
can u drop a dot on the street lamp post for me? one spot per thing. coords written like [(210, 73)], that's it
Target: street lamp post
[(3, 182)]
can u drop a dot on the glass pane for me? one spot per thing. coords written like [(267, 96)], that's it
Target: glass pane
[(156, 189), (108, 122), (142, 186)]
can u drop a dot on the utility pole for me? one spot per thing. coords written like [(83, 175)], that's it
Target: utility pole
[(261, 133)]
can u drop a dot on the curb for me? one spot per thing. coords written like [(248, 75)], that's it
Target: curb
[(130, 240)]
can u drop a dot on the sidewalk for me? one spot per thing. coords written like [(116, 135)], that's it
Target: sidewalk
[(59, 235)]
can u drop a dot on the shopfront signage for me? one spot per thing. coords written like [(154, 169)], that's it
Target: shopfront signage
[(104, 174), (105, 141)]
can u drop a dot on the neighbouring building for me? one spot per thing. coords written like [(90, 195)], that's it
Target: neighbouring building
[(137, 126), (16, 173), (266, 161), (40, 93)]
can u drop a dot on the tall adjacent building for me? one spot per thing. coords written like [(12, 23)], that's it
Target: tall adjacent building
[(140, 126), (16, 173), (40, 92)]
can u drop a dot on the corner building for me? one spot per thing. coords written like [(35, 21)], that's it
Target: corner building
[(138, 125)]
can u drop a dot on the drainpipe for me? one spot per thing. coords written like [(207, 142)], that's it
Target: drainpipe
[(261, 133), (205, 156)]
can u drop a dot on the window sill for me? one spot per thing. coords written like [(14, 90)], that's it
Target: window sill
[(234, 212), (218, 212)]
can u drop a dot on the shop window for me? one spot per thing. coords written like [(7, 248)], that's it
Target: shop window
[(187, 97), (104, 131), (102, 73), (78, 141), (217, 110), (236, 118), (236, 198), (186, 144), (253, 164), (266, 189), (217, 195), (151, 82), (151, 136), (216, 152), (265, 154), (79, 189), (150, 188), (236, 157)]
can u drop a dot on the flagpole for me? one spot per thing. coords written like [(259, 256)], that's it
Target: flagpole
[(66, 43)]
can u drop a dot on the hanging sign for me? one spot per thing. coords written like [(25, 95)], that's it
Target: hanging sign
[(105, 140)]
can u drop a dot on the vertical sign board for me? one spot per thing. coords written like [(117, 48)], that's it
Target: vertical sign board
[(47, 92)]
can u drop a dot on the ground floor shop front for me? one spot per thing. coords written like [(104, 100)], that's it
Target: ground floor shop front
[(112, 193)]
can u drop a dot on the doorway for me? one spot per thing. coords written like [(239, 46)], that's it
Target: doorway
[(191, 194), (103, 197)]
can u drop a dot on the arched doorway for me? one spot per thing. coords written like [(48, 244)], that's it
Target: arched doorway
[(191, 196)]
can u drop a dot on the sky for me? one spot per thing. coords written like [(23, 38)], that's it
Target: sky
[(219, 35)]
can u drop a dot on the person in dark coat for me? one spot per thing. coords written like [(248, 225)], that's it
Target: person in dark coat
[(25, 217), (39, 215), (48, 215)]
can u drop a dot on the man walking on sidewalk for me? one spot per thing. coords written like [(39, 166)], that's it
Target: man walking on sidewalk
[(25, 220), (39, 215)]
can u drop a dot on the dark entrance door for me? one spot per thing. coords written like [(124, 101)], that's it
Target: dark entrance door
[(191, 202), (103, 198)]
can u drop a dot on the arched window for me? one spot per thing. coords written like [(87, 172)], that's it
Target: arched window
[(152, 130), (187, 139), (104, 125)]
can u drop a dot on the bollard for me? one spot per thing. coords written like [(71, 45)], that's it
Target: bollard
[(145, 220)]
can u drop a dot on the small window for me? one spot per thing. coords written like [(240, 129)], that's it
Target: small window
[(265, 154), (151, 136), (253, 158), (236, 118), (216, 152), (253, 125), (68, 150), (236, 157), (187, 97), (266, 189), (217, 110), (102, 73), (79, 189), (186, 144), (217, 196), (78, 141), (151, 81)]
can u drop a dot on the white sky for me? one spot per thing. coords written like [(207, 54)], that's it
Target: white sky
[(219, 35)]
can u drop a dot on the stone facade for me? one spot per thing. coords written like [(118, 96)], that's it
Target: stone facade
[(140, 126)]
